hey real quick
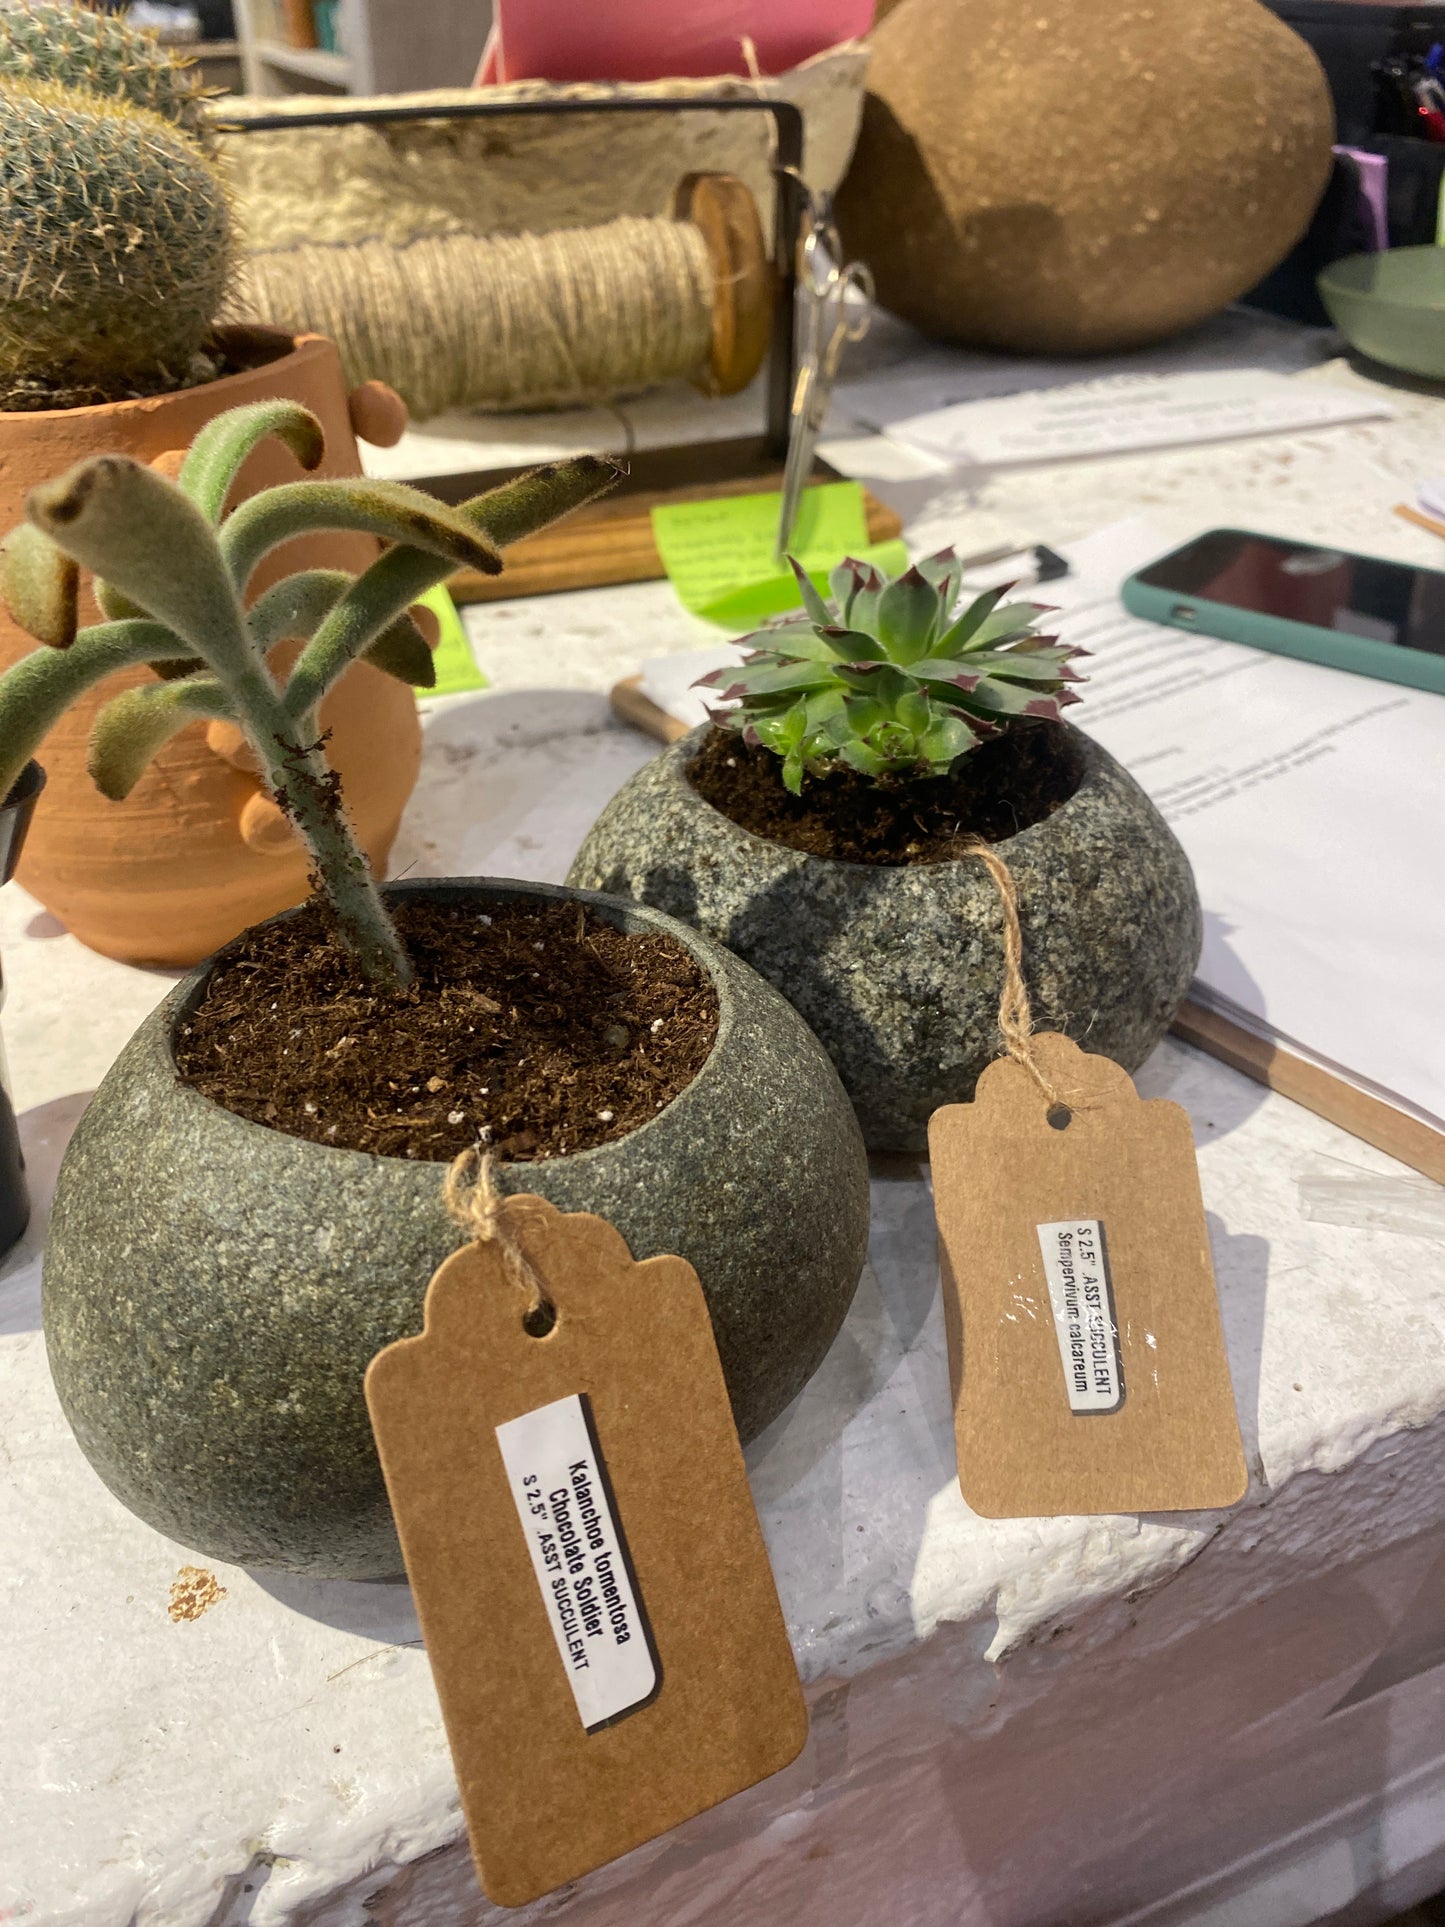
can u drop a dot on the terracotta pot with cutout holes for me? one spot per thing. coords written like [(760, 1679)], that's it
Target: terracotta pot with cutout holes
[(198, 851)]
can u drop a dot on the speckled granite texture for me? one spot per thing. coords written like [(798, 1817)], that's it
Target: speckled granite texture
[(898, 969), (214, 1290)]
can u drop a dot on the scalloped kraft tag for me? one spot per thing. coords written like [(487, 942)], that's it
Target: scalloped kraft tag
[(1084, 1336), (590, 1576)]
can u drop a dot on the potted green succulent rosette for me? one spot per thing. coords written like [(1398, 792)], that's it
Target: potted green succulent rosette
[(252, 1206), (820, 827)]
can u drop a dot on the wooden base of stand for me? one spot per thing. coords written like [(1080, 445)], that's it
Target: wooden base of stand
[(1368, 1118), (611, 541)]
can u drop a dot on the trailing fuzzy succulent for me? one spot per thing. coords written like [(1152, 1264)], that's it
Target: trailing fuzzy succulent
[(888, 679), (115, 249), (59, 40), (176, 576)]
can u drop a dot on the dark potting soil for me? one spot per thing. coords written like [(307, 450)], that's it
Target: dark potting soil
[(536, 1027), (1007, 784)]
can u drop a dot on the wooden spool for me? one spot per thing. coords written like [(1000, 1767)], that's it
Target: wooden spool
[(721, 207), (373, 298)]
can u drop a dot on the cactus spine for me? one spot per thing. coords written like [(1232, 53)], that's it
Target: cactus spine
[(57, 40), (115, 249)]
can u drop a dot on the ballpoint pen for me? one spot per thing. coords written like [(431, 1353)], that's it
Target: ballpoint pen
[(827, 319)]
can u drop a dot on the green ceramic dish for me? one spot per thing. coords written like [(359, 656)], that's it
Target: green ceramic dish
[(1391, 306)]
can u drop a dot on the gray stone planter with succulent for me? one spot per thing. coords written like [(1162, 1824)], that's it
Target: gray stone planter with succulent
[(233, 1238), (820, 828), (215, 1289)]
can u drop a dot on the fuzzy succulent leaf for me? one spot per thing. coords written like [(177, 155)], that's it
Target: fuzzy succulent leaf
[(122, 520), (36, 692), (40, 585), (389, 587), (392, 510), (133, 726), (291, 609), (216, 456), (403, 652), (294, 608), (889, 679)]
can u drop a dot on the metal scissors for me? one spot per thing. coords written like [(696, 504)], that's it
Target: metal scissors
[(827, 319)]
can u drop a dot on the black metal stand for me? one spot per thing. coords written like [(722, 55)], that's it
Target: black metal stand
[(15, 815), (788, 189)]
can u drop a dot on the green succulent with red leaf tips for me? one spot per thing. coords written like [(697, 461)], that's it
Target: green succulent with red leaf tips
[(889, 678)]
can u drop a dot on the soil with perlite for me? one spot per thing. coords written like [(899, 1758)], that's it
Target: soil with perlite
[(536, 1030), (1007, 784)]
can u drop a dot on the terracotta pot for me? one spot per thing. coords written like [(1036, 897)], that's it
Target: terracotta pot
[(196, 852)]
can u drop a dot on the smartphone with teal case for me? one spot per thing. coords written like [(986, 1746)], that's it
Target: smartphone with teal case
[(1377, 618)]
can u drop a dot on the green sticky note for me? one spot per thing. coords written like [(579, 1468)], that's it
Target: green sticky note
[(456, 666), (719, 554)]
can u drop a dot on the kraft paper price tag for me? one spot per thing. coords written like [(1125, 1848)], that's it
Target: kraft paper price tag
[(1088, 1361), (589, 1572)]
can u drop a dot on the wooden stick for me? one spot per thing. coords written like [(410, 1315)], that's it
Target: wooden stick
[(1356, 1111), (1421, 520), (612, 541)]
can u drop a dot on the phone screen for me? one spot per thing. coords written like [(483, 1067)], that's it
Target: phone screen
[(1326, 588)]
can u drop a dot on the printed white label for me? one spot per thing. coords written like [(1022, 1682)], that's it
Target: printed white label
[(560, 1489), (1077, 1269)]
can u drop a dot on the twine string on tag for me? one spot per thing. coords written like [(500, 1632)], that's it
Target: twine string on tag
[(475, 1205), (1015, 1017)]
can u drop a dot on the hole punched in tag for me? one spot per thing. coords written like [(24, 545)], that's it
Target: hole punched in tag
[(474, 1205)]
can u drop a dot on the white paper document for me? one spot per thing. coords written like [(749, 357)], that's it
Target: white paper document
[(1131, 412), (668, 680), (927, 376), (1311, 803)]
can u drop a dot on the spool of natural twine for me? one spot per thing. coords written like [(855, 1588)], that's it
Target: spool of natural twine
[(521, 321)]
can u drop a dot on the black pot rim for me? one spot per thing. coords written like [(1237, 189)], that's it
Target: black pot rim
[(16, 812), (686, 748), (26, 788), (187, 994)]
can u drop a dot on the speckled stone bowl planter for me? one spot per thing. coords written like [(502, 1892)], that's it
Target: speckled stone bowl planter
[(214, 1289), (897, 968)]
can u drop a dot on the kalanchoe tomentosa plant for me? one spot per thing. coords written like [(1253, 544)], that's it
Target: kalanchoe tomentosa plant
[(889, 679), (173, 573)]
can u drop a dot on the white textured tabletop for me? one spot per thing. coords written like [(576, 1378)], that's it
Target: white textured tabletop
[(280, 1758)]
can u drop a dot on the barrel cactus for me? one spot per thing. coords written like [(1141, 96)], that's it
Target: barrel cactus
[(115, 249), (61, 41)]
